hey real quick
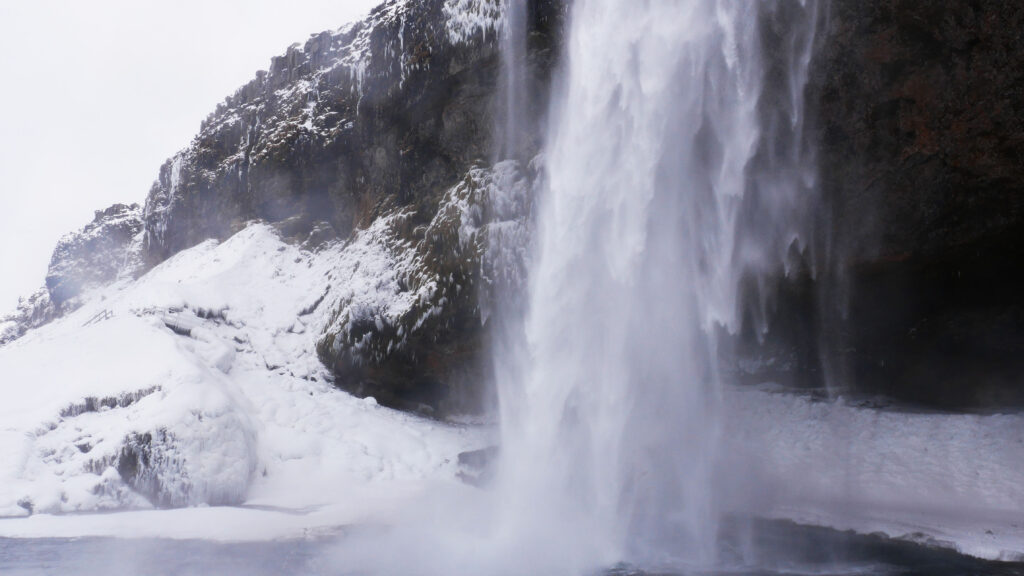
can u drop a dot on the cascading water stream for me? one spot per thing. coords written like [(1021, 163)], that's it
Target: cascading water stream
[(659, 147), (674, 171)]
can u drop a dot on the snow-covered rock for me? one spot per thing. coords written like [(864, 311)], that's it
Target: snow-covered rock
[(407, 321), (198, 383), (379, 134), (32, 312), (362, 134)]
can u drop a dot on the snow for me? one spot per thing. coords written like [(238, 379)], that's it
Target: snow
[(210, 357), (363, 504), (212, 354), (371, 277), (953, 480)]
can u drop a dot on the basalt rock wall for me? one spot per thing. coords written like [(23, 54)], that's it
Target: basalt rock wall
[(914, 288), (918, 113)]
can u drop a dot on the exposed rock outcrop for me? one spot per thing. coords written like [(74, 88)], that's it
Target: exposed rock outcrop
[(387, 112), (922, 118), (379, 114), (32, 312), (408, 314), (105, 249), (380, 132)]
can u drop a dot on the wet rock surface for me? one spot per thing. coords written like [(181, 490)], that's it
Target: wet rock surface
[(919, 291), (922, 120)]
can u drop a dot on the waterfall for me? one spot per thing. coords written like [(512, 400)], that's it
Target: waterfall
[(676, 174), (676, 180)]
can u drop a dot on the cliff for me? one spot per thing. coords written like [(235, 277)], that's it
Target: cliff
[(379, 135), (921, 109)]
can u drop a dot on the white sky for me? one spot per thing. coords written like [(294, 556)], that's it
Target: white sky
[(95, 95)]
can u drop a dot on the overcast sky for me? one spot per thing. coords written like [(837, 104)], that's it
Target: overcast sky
[(95, 95)]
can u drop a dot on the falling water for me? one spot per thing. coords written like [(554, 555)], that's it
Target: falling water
[(513, 86), (671, 180), (676, 173)]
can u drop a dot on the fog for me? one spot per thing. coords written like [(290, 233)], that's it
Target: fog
[(96, 95)]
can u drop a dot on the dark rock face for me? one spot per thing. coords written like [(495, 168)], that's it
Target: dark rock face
[(424, 345), (96, 255), (920, 123), (381, 113), (922, 111)]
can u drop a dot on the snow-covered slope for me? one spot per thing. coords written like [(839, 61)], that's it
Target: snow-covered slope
[(199, 384)]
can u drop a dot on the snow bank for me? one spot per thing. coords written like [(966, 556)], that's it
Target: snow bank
[(954, 480), (198, 384)]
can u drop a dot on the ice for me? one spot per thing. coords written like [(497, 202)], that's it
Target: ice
[(468, 18)]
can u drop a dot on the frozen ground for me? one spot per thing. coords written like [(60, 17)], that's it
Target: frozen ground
[(211, 357), (950, 480)]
